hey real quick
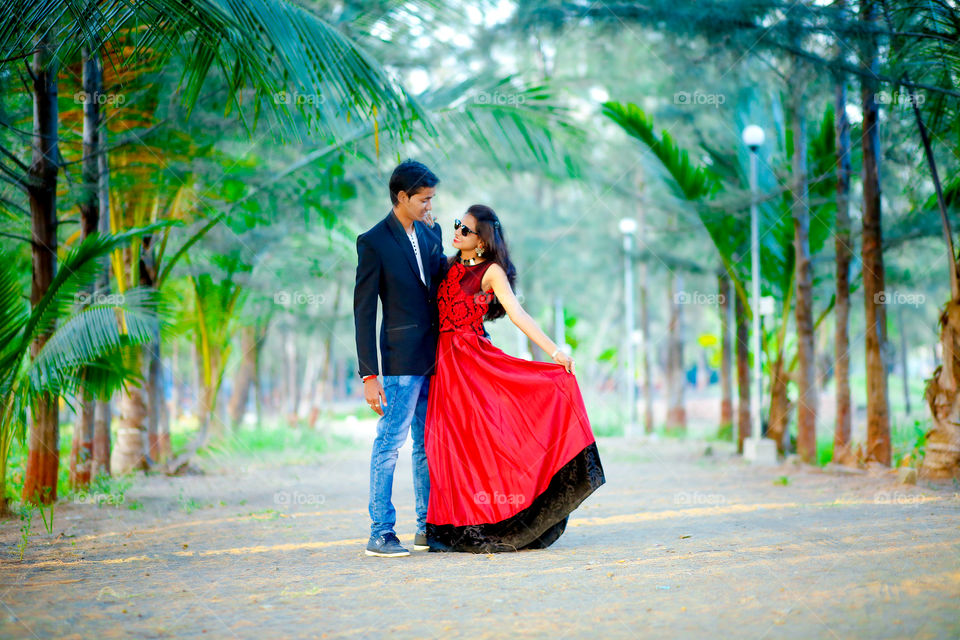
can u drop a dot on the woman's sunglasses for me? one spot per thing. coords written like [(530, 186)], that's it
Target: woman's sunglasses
[(462, 228)]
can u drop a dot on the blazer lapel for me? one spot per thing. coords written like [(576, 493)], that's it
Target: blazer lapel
[(424, 251), (401, 237)]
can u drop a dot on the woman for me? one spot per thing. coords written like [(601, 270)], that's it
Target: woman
[(508, 442)]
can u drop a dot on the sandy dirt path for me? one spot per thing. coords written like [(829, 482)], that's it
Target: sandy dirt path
[(676, 544)]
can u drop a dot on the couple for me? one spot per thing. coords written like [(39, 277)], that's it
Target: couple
[(502, 447)]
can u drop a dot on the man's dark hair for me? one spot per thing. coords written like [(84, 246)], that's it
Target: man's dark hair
[(410, 176)]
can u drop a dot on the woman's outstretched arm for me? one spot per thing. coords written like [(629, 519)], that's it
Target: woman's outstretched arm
[(496, 278)]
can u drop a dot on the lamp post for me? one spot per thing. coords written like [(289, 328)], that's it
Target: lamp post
[(628, 227), (754, 448)]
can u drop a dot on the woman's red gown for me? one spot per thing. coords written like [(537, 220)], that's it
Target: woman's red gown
[(508, 441)]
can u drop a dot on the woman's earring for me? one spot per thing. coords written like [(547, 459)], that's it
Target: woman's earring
[(479, 251)]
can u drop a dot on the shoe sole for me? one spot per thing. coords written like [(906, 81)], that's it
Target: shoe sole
[(380, 554), (421, 547)]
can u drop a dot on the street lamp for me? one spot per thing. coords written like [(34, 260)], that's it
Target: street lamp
[(628, 227), (756, 448)]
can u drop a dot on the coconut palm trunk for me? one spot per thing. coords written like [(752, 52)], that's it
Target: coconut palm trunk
[(103, 412), (843, 248), (726, 356), (243, 381), (81, 449), (43, 456), (942, 459), (874, 296), (743, 373), (676, 376), (803, 307)]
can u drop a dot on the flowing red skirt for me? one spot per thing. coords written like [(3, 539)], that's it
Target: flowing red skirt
[(509, 447)]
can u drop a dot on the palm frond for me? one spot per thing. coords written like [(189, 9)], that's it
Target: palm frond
[(293, 60), (690, 182), (89, 336), (77, 272)]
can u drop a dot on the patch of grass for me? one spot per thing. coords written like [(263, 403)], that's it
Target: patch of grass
[(782, 480), (724, 433), (104, 489), (906, 441), (189, 505), (26, 522), (677, 433), (283, 442), (607, 429)]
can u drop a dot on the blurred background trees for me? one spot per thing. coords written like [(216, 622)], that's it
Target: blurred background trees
[(213, 165)]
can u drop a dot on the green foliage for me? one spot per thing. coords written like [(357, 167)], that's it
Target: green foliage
[(90, 337), (278, 443), (690, 181), (293, 60)]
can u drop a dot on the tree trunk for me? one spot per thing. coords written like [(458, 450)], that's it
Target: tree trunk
[(329, 370), (130, 451), (743, 373), (803, 308), (843, 246), (102, 417), (903, 361), (676, 376), (153, 392), (726, 357), (43, 456), (102, 411), (154, 396), (211, 426), (942, 459), (293, 395), (81, 449), (943, 441), (781, 408), (176, 397), (643, 280), (645, 352), (780, 405), (245, 375), (197, 369), (258, 375), (164, 447), (874, 296)]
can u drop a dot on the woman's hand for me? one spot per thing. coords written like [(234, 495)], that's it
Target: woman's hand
[(565, 360)]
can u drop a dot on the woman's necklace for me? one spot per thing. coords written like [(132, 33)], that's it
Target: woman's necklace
[(469, 261)]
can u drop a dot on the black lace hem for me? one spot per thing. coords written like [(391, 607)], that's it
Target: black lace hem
[(536, 527)]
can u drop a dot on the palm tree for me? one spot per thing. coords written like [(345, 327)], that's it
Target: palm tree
[(269, 45), (704, 188), (843, 248), (80, 356), (871, 251)]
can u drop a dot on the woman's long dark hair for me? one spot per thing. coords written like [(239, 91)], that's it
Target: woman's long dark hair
[(494, 248)]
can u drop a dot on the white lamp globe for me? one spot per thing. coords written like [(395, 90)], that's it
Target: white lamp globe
[(753, 136)]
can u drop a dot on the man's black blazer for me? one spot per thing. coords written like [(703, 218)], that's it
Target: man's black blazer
[(387, 269)]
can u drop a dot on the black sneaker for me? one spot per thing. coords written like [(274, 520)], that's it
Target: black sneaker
[(386, 546), (420, 542)]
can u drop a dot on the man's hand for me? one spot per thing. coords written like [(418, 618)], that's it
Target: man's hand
[(428, 219), (373, 394)]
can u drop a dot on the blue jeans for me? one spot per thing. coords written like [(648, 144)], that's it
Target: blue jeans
[(406, 409)]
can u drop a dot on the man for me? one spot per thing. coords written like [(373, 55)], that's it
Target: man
[(400, 261)]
